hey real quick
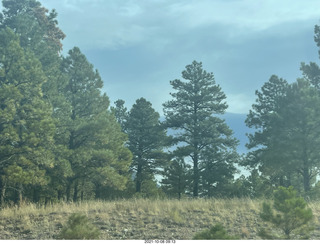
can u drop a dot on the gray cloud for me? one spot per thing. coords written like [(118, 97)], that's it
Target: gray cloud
[(114, 24), (140, 45)]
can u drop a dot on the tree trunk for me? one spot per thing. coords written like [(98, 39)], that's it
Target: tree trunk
[(20, 192), (196, 151), (82, 191), (179, 188), (75, 192), (97, 191), (3, 191), (195, 175), (306, 173), (139, 178), (306, 179), (68, 190), (59, 195), (138, 185), (36, 194), (47, 200)]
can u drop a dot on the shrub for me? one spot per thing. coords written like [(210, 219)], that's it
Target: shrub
[(175, 216), (78, 227), (216, 232), (291, 215)]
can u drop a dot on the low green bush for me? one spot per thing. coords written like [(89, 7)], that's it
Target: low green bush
[(216, 232), (288, 214), (79, 227)]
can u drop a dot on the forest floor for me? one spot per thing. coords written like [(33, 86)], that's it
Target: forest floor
[(141, 219)]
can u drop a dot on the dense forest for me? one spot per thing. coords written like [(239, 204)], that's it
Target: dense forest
[(62, 140)]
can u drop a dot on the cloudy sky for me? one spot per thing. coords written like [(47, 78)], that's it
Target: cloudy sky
[(138, 46)]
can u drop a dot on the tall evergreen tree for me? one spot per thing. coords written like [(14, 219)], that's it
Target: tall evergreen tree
[(217, 167), (191, 111), (288, 119), (36, 26), (95, 141), (121, 113), (147, 138), (88, 146), (176, 178), (264, 118), (26, 124), (39, 33), (301, 115)]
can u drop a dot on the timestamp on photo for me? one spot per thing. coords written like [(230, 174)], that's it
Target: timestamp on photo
[(160, 241)]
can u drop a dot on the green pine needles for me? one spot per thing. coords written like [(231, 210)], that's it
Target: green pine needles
[(216, 232), (78, 227), (288, 214)]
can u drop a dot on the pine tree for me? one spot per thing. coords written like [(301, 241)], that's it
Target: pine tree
[(39, 33), (95, 140), (191, 111), (264, 117), (287, 117), (83, 146), (217, 167), (176, 178), (289, 214), (37, 27), (301, 118), (121, 113), (147, 138), (26, 125)]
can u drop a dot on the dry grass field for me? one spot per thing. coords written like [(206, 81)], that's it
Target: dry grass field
[(141, 219)]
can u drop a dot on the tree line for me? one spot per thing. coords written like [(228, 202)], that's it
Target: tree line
[(60, 140)]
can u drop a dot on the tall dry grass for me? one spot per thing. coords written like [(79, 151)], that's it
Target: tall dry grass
[(223, 206), (139, 218)]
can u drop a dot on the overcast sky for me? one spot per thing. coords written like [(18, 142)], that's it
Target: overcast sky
[(138, 46)]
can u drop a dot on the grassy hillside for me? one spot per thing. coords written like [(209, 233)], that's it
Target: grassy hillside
[(141, 219)]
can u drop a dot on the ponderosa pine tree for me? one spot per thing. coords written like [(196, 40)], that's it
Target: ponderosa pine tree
[(311, 71), (191, 112), (107, 162), (26, 125), (36, 26), (147, 138), (39, 33), (217, 167), (121, 113), (287, 117), (95, 140), (301, 120), (288, 131), (176, 177), (264, 118)]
